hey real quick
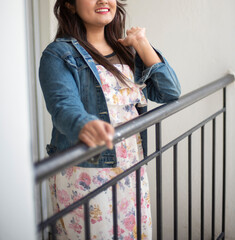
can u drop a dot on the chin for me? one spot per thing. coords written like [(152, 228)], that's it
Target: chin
[(103, 24)]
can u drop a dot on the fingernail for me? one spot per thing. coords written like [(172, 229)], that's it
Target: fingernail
[(101, 143), (110, 137)]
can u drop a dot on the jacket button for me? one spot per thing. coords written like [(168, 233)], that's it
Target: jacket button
[(103, 113)]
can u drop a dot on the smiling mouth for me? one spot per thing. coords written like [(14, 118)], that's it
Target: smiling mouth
[(102, 10)]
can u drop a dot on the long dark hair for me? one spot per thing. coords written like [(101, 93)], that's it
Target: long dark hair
[(70, 24)]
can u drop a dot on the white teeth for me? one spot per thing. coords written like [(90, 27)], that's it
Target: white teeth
[(102, 10)]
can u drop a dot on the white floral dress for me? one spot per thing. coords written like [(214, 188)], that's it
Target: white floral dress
[(75, 182)]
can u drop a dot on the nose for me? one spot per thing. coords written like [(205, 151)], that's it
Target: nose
[(102, 1)]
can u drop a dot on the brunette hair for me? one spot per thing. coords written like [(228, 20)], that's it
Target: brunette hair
[(71, 25)]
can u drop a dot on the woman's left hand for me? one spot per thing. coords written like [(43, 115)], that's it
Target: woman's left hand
[(136, 38), (133, 37)]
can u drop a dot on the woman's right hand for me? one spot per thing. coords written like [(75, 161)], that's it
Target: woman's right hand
[(97, 132)]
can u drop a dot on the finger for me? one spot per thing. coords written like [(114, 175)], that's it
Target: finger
[(90, 140), (94, 137), (110, 131), (88, 134), (97, 133), (90, 129), (144, 30), (93, 132), (87, 140), (122, 41), (105, 134)]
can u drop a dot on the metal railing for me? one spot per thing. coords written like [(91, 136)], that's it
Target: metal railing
[(81, 153)]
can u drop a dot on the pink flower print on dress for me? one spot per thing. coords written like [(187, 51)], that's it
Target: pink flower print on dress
[(79, 213), (130, 155), (121, 151), (63, 197), (101, 177), (142, 173), (144, 219), (142, 201), (129, 222), (120, 231), (123, 205), (83, 181), (95, 214), (75, 197), (75, 226), (128, 238), (69, 172), (106, 88), (93, 221)]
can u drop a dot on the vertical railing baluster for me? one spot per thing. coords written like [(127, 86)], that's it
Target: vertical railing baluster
[(175, 153), (138, 203), (213, 178), (87, 221), (159, 180), (190, 187), (202, 183), (224, 163), (115, 216), (53, 231)]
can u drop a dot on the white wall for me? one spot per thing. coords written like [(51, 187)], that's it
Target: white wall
[(48, 29), (197, 37), (17, 220)]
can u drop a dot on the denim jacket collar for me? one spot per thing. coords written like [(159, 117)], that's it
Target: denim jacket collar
[(85, 55)]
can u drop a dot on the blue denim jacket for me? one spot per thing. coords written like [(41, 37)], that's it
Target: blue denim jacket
[(72, 90)]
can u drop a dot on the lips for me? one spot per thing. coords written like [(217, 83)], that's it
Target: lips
[(102, 10)]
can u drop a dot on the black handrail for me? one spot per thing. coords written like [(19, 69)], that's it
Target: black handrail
[(81, 152)]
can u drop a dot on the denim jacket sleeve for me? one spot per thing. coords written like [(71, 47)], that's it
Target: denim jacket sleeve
[(61, 93), (160, 79)]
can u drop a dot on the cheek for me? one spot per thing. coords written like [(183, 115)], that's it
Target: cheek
[(114, 3), (83, 8), (114, 6)]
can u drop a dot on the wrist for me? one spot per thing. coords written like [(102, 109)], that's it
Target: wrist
[(147, 53), (141, 43)]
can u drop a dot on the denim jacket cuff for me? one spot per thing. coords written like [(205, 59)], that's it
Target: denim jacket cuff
[(80, 124), (145, 73), (148, 71)]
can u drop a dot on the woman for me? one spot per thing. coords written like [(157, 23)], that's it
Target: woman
[(93, 79)]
